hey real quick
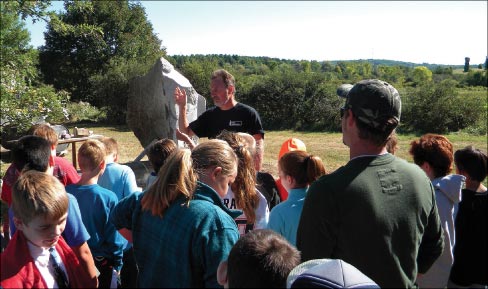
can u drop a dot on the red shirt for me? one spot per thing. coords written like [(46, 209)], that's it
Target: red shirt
[(63, 171)]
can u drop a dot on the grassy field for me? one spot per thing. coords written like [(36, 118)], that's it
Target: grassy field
[(328, 146)]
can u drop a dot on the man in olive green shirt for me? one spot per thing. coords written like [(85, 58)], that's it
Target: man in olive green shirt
[(377, 212)]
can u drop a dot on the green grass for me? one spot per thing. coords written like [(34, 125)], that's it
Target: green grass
[(328, 146)]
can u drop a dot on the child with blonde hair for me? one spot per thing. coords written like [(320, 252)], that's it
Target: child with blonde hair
[(242, 193), (116, 177), (37, 256), (265, 182), (96, 203), (121, 180), (180, 227)]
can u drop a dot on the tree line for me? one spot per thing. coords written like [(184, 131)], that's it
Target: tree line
[(93, 48)]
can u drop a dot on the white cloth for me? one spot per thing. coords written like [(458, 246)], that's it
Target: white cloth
[(41, 260), (262, 212)]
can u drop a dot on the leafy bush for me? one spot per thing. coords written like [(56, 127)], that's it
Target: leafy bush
[(286, 99), (21, 105), (476, 78), (441, 108), (83, 111)]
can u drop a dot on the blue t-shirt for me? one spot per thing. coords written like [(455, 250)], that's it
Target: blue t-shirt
[(74, 233), (95, 205)]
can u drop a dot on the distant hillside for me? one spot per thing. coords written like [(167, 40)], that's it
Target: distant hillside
[(400, 63), (234, 58)]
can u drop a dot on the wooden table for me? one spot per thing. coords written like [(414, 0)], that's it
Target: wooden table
[(73, 142)]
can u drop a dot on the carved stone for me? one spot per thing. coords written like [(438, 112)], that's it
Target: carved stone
[(151, 109)]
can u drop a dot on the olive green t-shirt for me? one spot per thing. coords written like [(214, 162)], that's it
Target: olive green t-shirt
[(377, 213)]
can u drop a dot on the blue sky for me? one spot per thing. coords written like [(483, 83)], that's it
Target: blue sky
[(440, 32)]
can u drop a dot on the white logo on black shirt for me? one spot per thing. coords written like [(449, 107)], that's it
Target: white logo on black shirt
[(235, 123)]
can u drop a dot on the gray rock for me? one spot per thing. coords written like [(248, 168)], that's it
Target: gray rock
[(151, 109)]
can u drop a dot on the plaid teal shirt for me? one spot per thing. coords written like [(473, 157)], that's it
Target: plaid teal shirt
[(185, 247)]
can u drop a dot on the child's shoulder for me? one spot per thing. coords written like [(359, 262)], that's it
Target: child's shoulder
[(105, 193)]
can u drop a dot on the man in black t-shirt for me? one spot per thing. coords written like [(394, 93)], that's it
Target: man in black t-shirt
[(226, 114)]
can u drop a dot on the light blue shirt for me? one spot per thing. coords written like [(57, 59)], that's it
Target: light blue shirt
[(285, 216), (119, 179)]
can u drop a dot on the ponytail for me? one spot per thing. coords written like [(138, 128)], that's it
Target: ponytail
[(175, 178), (301, 166)]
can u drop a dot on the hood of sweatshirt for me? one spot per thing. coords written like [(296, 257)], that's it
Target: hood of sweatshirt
[(450, 186)]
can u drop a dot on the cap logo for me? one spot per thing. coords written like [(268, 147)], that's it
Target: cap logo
[(369, 117)]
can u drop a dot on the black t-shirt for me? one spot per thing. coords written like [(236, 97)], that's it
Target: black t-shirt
[(471, 248), (267, 186), (240, 118)]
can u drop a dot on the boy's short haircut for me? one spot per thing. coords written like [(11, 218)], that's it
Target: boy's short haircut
[(111, 145), (90, 154), (159, 151), (38, 194), (261, 259), (31, 153), (472, 161), (45, 131)]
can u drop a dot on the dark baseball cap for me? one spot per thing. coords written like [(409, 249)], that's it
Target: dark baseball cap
[(373, 102)]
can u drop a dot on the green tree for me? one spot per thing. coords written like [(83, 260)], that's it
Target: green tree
[(476, 78), (23, 98), (199, 74), (89, 41), (421, 75), (392, 74)]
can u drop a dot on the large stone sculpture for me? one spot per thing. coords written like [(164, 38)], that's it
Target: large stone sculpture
[(151, 111)]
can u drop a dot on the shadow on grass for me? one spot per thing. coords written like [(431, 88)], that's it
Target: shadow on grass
[(95, 124)]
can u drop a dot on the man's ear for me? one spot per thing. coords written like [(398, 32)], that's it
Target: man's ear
[(18, 223), (222, 274), (231, 89), (116, 157), (351, 118)]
